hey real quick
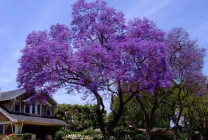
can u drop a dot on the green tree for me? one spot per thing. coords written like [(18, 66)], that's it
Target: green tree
[(195, 116), (135, 115), (79, 117)]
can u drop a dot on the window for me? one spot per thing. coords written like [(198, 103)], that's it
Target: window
[(17, 106), (48, 110), (33, 109), (38, 109), (1, 129), (27, 108)]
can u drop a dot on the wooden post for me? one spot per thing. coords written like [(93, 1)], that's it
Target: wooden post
[(17, 128), (4, 129), (12, 128), (21, 128), (13, 104)]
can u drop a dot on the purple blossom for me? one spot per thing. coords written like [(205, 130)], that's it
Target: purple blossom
[(100, 50), (186, 60), (103, 55)]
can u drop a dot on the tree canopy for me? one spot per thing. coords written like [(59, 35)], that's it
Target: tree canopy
[(104, 55), (79, 117)]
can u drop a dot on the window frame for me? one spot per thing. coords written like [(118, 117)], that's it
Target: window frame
[(33, 109), (29, 108), (1, 129), (33, 105), (48, 108), (19, 106), (39, 110)]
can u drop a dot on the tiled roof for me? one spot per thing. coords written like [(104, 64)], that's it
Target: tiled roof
[(9, 95), (32, 119)]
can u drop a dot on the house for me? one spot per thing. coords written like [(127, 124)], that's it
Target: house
[(19, 115)]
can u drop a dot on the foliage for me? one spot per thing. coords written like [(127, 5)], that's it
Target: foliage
[(107, 50), (195, 116), (124, 133), (83, 137), (61, 133), (77, 137), (140, 137), (134, 114), (67, 133), (88, 134), (188, 79), (165, 137), (120, 133), (77, 116), (103, 56), (25, 136), (162, 116)]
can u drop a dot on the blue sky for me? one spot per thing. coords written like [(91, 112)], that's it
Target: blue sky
[(19, 18)]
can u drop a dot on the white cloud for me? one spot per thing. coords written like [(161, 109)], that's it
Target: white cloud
[(145, 8), (157, 8)]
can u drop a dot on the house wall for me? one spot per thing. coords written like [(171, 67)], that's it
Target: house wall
[(22, 107), (3, 118), (7, 105), (52, 110), (43, 109)]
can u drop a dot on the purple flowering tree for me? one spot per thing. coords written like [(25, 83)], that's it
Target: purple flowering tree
[(186, 61), (99, 54), (149, 36)]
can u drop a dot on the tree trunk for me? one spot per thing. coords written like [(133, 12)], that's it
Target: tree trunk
[(202, 137), (148, 126), (106, 136), (99, 112), (148, 137), (190, 136), (175, 136), (100, 109)]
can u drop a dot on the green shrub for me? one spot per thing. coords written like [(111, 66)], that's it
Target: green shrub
[(27, 136), (77, 137), (61, 133), (163, 137), (140, 137), (181, 136), (123, 133), (58, 135), (83, 137), (77, 133), (98, 137), (90, 132)]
